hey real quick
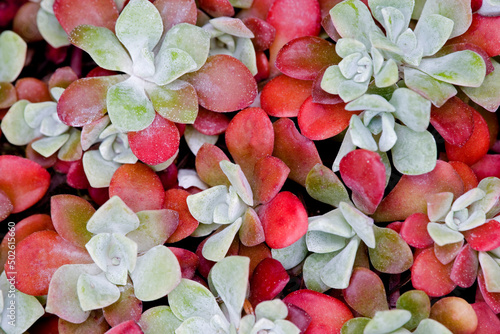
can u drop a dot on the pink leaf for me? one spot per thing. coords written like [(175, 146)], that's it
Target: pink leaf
[(100, 13), (453, 121), (76, 176), (264, 33), (33, 90), (447, 253), (128, 307), (268, 280), (223, 84), (62, 77), (489, 165), (207, 165), (414, 231), (491, 298), (269, 175), (251, 232), (283, 96), (176, 11), (217, 8), (485, 237), (210, 123), (464, 271), (487, 321), (127, 327), (175, 199), (430, 275)]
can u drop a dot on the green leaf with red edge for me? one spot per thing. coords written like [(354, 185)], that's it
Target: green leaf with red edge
[(235, 86), (95, 323), (447, 253), (101, 13), (364, 173), (414, 231), (366, 292), (321, 121), (283, 96), (284, 219), (62, 77), (157, 143), (176, 101), (286, 16), (15, 172), (70, 215), (175, 199), (174, 12), (188, 261), (485, 237), (488, 94), (268, 280), (408, 196), (269, 175), (430, 275), (296, 151), (391, 254), (464, 271), (418, 303), (324, 185), (305, 57), (453, 121), (249, 138), (156, 226), (127, 307), (84, 101), (138, 186), (51, 252), (8, 95), (475, 147), (491, 298), (207, 165), (327, 313), (251, 232)]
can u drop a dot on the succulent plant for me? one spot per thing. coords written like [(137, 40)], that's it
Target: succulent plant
[(49, 27), (12, 60)]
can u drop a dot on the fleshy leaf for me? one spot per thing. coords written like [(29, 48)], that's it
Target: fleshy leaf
[(414, 153), (114, 216), (283, 96), (362, 225), (458, 11), (487, 95), (270, 174), (387, 321), (453, 121), (427, 326), (50, 29), (430, 275), (155, 228), (264, 289), (312, 268), (361, 135), (103, 46), (98, 170), (432, 33), (95, 292), (12, 55), (337, 272), (411, 108), (324, 185), (49, 145), (159, 319), (292, 255), (491, 272), (176, 102), (216, 247), (418, 303), (101, 13), (391, 255), (436, 91), (156, 274), (14, 125)]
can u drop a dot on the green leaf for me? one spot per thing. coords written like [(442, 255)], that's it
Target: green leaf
[(103, 46), (216, 247), (245, 52), (443, 235), (332, 79), (72, 148), (324, 185), (196, 139), (438, 92), (346, 147), (361, 224), (191, 299), (14, 125), (12, 55), (241, 3), (404, 6), (128, 106), (491, 272), (355, 325), (95, 292), (488, 94), (51, 29), (332, 222), (152, 230), (49, 145), (156, 274), (430, 326), (286, 327), (350, 89), (392, 255), (229, 278), (159, 320), (393, 21), (388, 137), (352, 19), (171, 64), (388, 75), (196, 325), (347, 46), (490, 202), (467, 199), (292, 255), (238, 180), (114, 216), (321, 242), (414, 153), (412, 109), (387, 321), (459, 12), (271, 309), (361, 136), (463, 68), (418, 303), (203, 204), (438, 205), (139, 27), (312, 268), (98, 170), (432, 33), (337, 272), (177, 101), (370, 102)]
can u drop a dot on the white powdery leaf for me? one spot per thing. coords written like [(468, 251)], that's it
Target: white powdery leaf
[(459, 11), (490, 8), (432, 33), (196, 139), (189, 178), (98, 170)]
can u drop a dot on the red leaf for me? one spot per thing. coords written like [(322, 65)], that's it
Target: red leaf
[(223, 84), (249, 138), (263, 70), (466, 173), (207, 165), (364, 173), (491, 298), (328, 314), (127, 327), (264, 33), (305, 57), (485, 237), (414, 231), (298, 316), (259, 9), (138, 186), (453, 121), (483, 32), (33, 90), (296, 151), (76, 176), (476, 4), (268, 280), (15, 171), (100, 13), (176, 11), (70, 215), (217, 8), (487, 321), (322, 121), (210, 123), (39, 256), (284, 220), (283, 96), (319, 95), (489, 165), (127, 307), (269, 175), (175, 199), (287, 16), (408, 196), (255, 253), (62, 77), (99, 195), (430, 275), (251, 232), (188, 261), (6, 206), (84, 101), (464, 271), (157, 143)]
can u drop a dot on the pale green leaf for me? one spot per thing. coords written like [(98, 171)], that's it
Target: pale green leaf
[(103, 46), (489, 8), (346, 147), (361, 224), (151, 231), (412, 109), (459, 11), (177, 101), (91, 132), (171, 64), (404, 6), (491, 201), (443, 235), (196, 139), (14, 125), (468, 198), (387, 321), (349, 65), (51, 29), (216, 247), (203, 204), (156, 274), (491, 272), (414, 153), (232, 26), (438, 205), (292, 255), (438, 92), (114, 216), (430, 326), (72, 148), (370, 102), (408, 43), (286, 327), (488, 94), (98, 170), (394, 22), (245, 52), (352, 19), (476, 219), (271, 309), (350, 89), (12, 55), (129, 108), (49, 145), (332, 222), (463, 68), (382, 43), (388, 137), (196, 325), (388, 75), (312, 271), (95, 292), (159, 320), (432, 33), (361, 136), (347, 46), (332, 79), (337, 272), (238, 180), (321, 242)]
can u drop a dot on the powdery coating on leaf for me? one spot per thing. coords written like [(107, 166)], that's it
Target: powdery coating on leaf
[(176, 11), (210, 123), (430, 275), (283, 96), (458, 11), (453, 121), (12, 55), (101, 13), (175, 199)]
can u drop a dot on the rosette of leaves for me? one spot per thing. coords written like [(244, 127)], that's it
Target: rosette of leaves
[(126, 248), (401, 53), (27, 309), (49, 27), (25, 122), (230, 36), (376, 129), (195, 309), (12, 57), (392, 321)]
